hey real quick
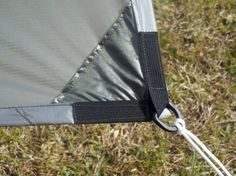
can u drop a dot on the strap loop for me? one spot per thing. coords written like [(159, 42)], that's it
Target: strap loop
[(162, 125), (180, 128)]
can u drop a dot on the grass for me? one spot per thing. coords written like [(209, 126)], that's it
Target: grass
[(198, 45)]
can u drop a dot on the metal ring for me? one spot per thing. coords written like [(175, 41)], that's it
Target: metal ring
[(162, 125)]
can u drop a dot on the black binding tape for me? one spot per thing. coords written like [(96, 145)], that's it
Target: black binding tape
[(132, 111), (152, 68), (112, 112)]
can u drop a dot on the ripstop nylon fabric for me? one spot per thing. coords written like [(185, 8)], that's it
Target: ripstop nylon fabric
[(112, 71), (43, 43)]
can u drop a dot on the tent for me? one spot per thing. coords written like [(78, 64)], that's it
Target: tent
[(84, 61), (79, 62)]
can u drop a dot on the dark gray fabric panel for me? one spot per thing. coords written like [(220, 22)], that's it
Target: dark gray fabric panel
[(38, 115), (44, 42), (112, 71)]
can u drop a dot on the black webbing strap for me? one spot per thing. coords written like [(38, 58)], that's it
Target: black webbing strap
[(151, 64), (105, 111), (112, 112), (132, 111)]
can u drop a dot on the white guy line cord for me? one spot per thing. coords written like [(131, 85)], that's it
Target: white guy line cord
[(200, 148)]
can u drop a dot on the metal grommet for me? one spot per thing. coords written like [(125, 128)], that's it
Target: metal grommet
[(162, 125)]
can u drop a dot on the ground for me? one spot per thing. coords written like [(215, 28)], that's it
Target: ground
[(198, 45)]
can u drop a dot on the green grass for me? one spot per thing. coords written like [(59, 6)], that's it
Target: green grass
[(198, 45)]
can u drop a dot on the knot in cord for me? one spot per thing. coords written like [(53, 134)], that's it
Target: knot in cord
[(181, 126)]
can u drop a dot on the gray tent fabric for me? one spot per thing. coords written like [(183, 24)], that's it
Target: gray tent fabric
[(43, 43), (55, 54), (112, 71), (53, 114), (145, 18)]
